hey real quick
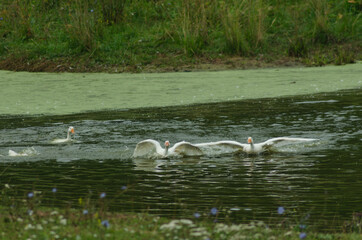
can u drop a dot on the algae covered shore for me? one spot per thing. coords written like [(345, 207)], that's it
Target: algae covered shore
[(67, 93)]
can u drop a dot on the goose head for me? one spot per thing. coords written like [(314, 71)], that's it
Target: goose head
[(250, 140), (70, 131), (167, 145)]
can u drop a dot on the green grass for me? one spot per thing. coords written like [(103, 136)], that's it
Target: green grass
[(35, 216), (140, 32), (54, 223)]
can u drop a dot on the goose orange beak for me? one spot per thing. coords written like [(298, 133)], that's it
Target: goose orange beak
[(249, 140), (72, 130), (167, 143)]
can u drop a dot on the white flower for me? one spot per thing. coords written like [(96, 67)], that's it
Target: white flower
[(54, 213), (63, 221), (29, 226), (39, 227)]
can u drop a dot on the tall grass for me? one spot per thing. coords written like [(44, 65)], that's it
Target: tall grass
[(193, 21), (244, 25), (106, 30), (83, 26), (112, 11)]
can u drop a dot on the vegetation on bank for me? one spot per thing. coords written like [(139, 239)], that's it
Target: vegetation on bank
[(132, 35), (34, 216), (75, 224)]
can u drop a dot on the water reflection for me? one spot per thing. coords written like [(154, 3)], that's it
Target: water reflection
[(320, 179)]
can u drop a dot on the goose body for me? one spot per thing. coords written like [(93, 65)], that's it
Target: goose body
[(152, 149), (15, 154), (26, 152), (65, 140)]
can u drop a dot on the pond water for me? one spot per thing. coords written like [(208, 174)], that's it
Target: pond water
[(318, 184)]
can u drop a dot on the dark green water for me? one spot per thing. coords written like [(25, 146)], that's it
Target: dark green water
[(318, 184)]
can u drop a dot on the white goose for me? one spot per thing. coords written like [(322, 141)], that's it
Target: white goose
[(152, 149), (255, 148), (26, 152), (250, 147), (15, 154), (65, 140)]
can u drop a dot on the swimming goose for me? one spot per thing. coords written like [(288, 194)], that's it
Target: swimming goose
[(26, 152), (256, 148), (152, 149), (15, 154), (228, 147), (65, 140)]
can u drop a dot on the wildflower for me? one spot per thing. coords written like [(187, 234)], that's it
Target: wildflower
[(105, 223), (214, 211), (91, 10), (30, 212), (103, 195), (29, 226), (124, 187), (1, 19), (39, 227), (30, 195), (302, 226), (85, 212), (6, 185), (63, 221), (302, 235), (197, 215), (54, 213), (281, 210), (54, 190)]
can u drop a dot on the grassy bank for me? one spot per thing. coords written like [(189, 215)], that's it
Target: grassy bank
[(35, 216), (53, 223), (73, 224), (163, 35)]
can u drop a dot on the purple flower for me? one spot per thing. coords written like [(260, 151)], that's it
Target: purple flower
[(281, 210), (1, 19), (197, 215), (85, 212), (302, 235), (103, 195), (105, 223), (91, 10), (302, 226), (30, 212), (124, 187), (54, 190), (214, 211), (30, 195)]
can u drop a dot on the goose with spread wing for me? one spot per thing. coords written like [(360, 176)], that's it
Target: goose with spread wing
[(65, 140), (26, 152), (152, 149), (256, 148), (227, 147)]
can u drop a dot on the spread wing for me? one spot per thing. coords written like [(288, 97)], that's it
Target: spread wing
[(13, 153), (187, 149), (286, 140), (147, 148), (221, 147)]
